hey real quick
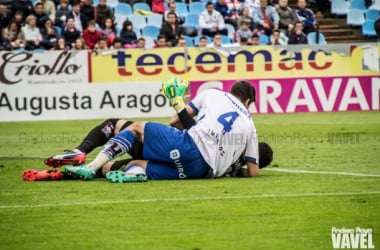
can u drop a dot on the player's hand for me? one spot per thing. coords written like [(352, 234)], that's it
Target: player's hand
[(174, 87)]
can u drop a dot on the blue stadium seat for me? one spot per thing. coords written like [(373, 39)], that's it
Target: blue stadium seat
[(339, 7), (141, 6), (355, 17), (375, 5), (196, 7), (226, 39), (150, 31), (263, 39), (123, 9), (119, 20), (358, 5), (196, 40), (149, 42), (312, 38), (182, 9), (154, 19), (192, 20), (231, 31), (111, 3), (137, 31), (368, 29), (138, 21), (189, 41), (372, 15)]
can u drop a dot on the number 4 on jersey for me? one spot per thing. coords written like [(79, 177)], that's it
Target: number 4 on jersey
[(227, 120)]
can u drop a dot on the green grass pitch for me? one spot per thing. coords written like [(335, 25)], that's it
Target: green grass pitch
[(278, 210)]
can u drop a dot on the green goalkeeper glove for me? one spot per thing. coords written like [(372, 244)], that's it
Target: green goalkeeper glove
[(174, 89)]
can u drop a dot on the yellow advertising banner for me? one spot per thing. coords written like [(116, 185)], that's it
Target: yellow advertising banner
[(254, 62)]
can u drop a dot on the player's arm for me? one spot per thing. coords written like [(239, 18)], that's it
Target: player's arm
[(184, 119), (250, 170)]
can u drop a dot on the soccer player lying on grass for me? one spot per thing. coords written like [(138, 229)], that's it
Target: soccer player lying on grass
[(200, 152)]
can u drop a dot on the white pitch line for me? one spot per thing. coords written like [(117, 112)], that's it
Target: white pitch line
[(319, 172), (256, 196)]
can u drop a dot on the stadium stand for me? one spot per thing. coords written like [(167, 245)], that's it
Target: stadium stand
[(141, 6), (154, 19), (150, 31), (372, 15), (368, 29), (123, 9), (355, 17), (339, 7), (196, 7), (138, 21), (316, 38)]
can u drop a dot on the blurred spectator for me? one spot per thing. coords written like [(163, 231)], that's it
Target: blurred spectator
[(5, 16), (40, 14), (117, 43), (19, 17), (306, 16), (49, 8), (103, 11), (324, 6), (48, 33), (211, 21), (91, 35), (158, 6), (266, 18), (252, 5), (297, 36), (255, 40), (216, 42), (32, 33), (275, 38), (160, 42), (235, 7), (70, 33), (243, 41), (15, 35), (171, 30), (4, 42), (287, 17), (80, 20), (127, 35), (182, 42), (60, 44), (102, 44), (88, 10), (377, 29), (141, 43), (226, 13), (61, 14), (79, 44), (26, 6), (202, 42), (108, 31), (246, 18), (243, 32), (172, 8)]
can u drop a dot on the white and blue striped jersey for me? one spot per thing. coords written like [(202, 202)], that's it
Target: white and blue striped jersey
[(224, 130)]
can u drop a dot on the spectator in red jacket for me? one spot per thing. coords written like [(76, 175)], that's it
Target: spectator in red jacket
[(158, 6), (91, 35)]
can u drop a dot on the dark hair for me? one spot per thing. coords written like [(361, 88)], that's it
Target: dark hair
[(161, 36), (39, 4), (243, 40), (117, 40), (171, 13), (209, 3), (255, 35), (127, 23), (243, 90), (265, 154)]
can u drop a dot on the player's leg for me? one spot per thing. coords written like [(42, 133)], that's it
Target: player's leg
[(96, 137), (118, 145)]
